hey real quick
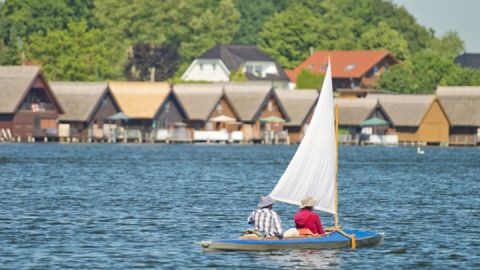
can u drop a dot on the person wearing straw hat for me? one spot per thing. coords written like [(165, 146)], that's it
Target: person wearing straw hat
[(264, 219), (307, 221)]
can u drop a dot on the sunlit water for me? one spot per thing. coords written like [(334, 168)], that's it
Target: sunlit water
[(144, 206)]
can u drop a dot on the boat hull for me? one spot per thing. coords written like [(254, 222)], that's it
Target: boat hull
[(332, 241)]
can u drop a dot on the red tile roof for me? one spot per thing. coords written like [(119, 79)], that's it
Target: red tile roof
[(345, 64)]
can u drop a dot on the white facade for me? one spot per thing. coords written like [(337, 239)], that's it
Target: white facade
[(214, 70), (210, 70), (260, 68)]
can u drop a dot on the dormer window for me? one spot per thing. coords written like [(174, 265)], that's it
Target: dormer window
[(258, 71), (350, 67)]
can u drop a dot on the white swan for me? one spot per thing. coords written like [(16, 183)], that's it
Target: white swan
[(420, 151)]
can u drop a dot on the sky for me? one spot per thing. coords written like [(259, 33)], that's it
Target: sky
[(462, 16)]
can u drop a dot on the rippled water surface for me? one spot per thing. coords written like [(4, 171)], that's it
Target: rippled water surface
[(144, 206)]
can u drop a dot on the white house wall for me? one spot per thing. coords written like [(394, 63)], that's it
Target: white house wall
[(207, 70), (267, 67)]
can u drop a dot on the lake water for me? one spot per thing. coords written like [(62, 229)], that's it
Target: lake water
[(144, 206)]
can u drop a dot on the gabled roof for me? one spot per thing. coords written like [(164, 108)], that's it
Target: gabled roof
[(248, 99), (198, 100), (79, 99), (354, 111), (345, 64), (139, 99), (461, 104), (234, 56), (404, 110), (298, 104), (471, 60), (14, 83)]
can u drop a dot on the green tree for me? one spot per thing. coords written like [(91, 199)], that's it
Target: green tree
[(213, 26), (253, 14), (309, 80), (195, 25), (21, 18), (147, 58), (238, 76), (420, 74), (76, 53), (289, 35), (459, 76), (384, 37), (450, 45)]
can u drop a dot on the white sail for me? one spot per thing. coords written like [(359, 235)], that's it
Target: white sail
[(312, 170)]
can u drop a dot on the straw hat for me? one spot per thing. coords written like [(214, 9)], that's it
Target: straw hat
[(308, 202), (265, 201)]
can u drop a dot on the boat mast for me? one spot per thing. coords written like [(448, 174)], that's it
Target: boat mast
[(336, 168)]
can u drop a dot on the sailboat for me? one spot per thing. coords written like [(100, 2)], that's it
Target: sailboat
[(313, 171)]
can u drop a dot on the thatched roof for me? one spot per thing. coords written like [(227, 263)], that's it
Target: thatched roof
[(354, 111), (298, 104), (461, 104), (79, 99), (198, 100), (140, 99), (404, 110), (247, 99), (14, 83)]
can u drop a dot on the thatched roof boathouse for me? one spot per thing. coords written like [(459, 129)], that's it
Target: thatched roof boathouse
[(29, 109)]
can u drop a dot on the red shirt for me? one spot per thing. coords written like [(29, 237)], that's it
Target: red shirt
[(306, 219)]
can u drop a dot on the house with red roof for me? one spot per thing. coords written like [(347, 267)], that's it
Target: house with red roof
[(350, 69)]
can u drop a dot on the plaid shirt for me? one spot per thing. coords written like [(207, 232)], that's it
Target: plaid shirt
[(267, 221)]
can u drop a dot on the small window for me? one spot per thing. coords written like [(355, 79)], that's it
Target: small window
[(350, 67), (258, 70), (249, 69), (167, 107), (219, 107), (270, 106)]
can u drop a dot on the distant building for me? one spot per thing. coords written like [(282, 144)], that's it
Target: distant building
[(471, 60), (300, 105), (416, 118), (87, 106), (149, 106), (254, 103), (353, 116), (202, 102), (350, 69), (219, 62), (462, 106), (28, 108)]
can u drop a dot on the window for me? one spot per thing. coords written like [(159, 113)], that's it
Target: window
[(270, 106), (219, 107), (201, 66), (167, 107), (350, 67), (214, 66), (258, 71), (249, 69)]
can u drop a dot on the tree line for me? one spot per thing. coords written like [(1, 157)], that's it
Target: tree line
[(140, 39)]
